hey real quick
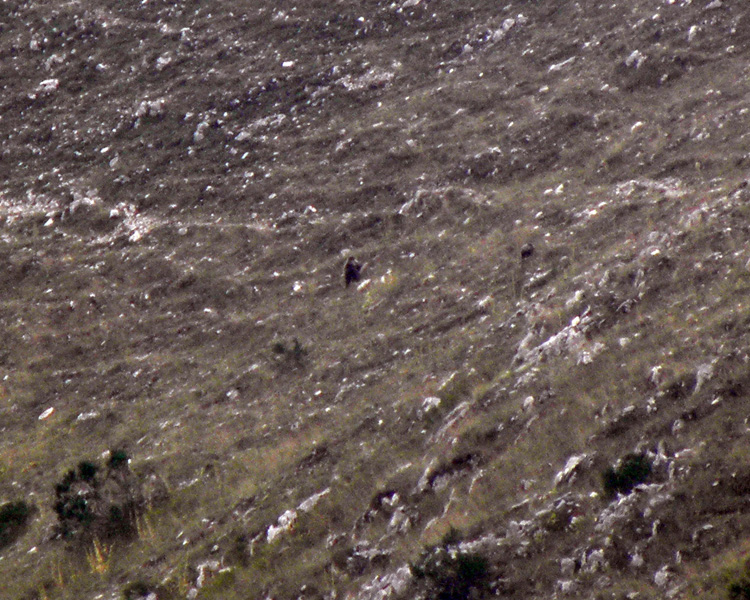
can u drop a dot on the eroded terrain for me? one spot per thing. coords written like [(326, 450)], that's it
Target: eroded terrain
[(181, 185)]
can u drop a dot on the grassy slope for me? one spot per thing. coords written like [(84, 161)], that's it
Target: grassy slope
[(153, 329)]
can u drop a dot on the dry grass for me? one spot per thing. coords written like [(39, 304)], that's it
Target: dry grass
[(155, 331)]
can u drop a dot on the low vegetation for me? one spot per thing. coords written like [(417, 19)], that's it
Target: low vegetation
[(445, 572), (94, 504), (547, 347), (629, 472), (13, 518)]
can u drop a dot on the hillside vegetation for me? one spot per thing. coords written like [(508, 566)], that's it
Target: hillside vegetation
[(539, 387)]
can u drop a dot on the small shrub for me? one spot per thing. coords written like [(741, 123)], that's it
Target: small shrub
[(739, 589), (298, 352), (290, 356), (142, 590), (99, 557), (13, 518), (87, 471), (118, 459), (632, 470), (455, 389), (93, 504), (219, 584), (136, 590), (452, 536), (449, 574)]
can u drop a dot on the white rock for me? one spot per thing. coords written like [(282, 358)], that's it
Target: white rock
[(486, 543), (424, 482), (86, 416), (568, 471), (560, 66), (47, 413), (566, 587), (151, 108), (286, 522), (456, 415), (48, 86), (206, 570), (400, 521), (575, 299), (567, 567), (661, 577), (163, 62), (635, 59), (594, 561), (655, 375), (309, 504), (199, 134), (704, 373), (386, 586)]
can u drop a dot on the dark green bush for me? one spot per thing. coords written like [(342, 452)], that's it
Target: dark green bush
[(452, 536), (140, 590), (87, 470), (13, 518), (118, 459), (739, 590), (449, 574), (136, 590), (290, 356), (75, 497), (632, 470), (90, 502)]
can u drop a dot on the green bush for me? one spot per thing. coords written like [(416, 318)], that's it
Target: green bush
[(87, 470), (90, 502), (118, 459), (13, 518), (136, 590), (290, 356), (739, 590), (449, 574), (141, 590), (632, 470), (74, 498)]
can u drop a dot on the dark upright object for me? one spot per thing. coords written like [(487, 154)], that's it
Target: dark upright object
[(351, 270)]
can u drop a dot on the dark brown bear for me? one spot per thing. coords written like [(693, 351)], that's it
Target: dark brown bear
[(351, 270)]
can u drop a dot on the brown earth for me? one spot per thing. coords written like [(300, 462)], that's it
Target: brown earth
[(181, 185)]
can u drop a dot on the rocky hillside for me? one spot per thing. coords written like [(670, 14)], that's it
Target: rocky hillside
[(537, 389)]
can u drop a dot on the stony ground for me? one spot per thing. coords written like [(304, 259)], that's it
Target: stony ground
[(181, 186)]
